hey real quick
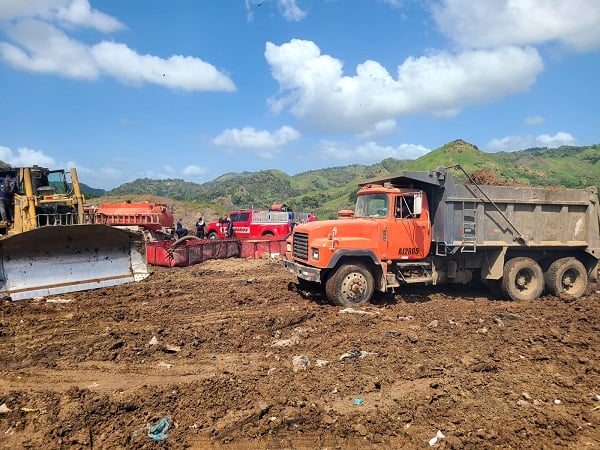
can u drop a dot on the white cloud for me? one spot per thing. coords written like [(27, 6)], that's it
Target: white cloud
[(314, 88), (525, 22), (380, 129), (67, 12), (39, 46), (177, 72), (25, 157), (290, 10), (514, 143), (369, 152), (534, 120), (249, 137), (194, 171), (47, 49)]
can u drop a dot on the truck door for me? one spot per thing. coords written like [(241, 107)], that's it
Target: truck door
[(241, 224), (410, 237)]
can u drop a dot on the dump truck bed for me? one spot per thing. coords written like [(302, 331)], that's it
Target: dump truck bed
[(490, 216)]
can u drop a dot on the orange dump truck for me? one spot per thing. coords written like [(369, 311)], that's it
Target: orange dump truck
[(422, 227)]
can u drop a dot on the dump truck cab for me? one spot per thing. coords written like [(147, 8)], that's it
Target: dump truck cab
[(388, 224)]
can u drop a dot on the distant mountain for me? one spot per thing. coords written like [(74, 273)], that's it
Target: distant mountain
[(326, 191), (91, 192)]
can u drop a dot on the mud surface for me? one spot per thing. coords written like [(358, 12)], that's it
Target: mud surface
[(234, 355)]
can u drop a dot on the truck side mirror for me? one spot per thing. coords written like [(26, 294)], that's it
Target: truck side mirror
[(418, 206)]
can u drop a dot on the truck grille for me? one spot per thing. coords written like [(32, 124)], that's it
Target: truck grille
[(301, 246)]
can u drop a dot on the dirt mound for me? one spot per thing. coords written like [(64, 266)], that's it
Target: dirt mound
[(232, 354)]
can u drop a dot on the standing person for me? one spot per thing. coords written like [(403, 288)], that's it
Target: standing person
[(229, 227), (180, 230), (200, 226), (2, 208), (7, 193)]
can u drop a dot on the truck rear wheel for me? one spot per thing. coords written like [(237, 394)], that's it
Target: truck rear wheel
[(567, 276), (350, 285), (523, 279)]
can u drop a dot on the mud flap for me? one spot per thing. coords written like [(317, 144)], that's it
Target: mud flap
[(59, 259)]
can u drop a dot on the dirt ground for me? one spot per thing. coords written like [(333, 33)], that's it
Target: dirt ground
[(231, 354)]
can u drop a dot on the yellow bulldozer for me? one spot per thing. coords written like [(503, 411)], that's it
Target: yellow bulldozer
[(49, 245)]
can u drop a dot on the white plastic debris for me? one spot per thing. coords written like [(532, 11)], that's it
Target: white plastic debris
[(434, 440), (153, 341), (4, 409)]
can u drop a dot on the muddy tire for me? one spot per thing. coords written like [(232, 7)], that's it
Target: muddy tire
[(350, 285), (523, 279), (566, 276), (213, 235)]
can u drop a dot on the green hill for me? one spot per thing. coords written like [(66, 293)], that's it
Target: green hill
[(326, 191)]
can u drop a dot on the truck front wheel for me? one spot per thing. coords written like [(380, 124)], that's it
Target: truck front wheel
[(350, 285), (567, 276), (523, 279), (213, 235)]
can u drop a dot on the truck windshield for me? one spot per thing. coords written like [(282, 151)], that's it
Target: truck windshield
[(372, 205)]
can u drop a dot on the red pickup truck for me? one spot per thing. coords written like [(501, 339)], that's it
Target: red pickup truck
[(249, 223)]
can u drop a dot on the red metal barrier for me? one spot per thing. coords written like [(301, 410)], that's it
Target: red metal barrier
[(258, 248), (189, 252)]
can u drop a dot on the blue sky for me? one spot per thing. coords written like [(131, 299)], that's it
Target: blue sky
[(194, 89)]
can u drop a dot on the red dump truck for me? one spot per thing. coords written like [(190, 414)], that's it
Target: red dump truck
[(422, 227), (250, 223)]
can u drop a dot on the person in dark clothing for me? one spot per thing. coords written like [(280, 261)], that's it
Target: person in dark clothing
[(229, 227), (200, 229), (180, 231), (7, 192)]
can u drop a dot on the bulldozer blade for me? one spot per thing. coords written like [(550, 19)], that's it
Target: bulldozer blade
[(59, 259)]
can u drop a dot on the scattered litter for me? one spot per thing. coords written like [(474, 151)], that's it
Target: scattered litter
[(596, 408), (433, 324), (507, 316), (172, 349), (358, 312), (392, 334), (499, 321), (300, 362), (248, 281), (298, 331), (522, 402), (153, 341), (482, 330), (164, 364), (406, 318), (27, 409), (358, 401), (355, 354), (58, 300), (434, 440), (321, 363), (158, 431), (557, 402), (4, 409)]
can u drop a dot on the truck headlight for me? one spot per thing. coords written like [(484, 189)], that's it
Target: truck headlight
[(315, 254), (288, 247)]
